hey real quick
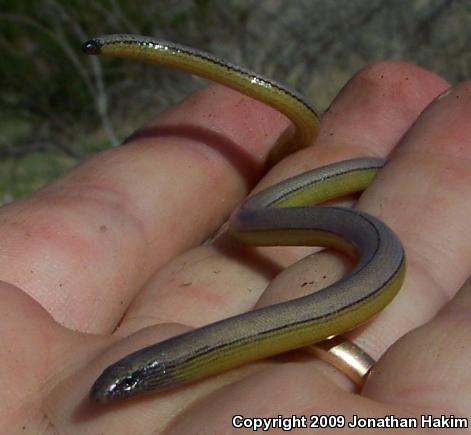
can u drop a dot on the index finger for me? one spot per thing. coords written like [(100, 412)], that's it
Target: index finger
[(84, 245)]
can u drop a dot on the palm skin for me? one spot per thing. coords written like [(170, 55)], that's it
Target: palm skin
[(113, 252)]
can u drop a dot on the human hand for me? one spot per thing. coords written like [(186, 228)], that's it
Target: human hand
[(112, 248)]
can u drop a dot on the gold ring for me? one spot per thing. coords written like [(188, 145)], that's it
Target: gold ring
[(345, 356)]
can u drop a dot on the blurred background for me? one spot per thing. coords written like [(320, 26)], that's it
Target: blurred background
[(58, 105)]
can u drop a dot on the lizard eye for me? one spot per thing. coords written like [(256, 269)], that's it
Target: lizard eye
[(129, 382)]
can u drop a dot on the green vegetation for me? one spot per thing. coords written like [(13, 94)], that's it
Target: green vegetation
[(58, 105)]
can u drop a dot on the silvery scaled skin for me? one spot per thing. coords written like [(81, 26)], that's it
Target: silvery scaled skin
[(280, 215)]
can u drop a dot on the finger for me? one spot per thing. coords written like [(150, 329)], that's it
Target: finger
[(84, 245), (69, 407), (425, 195), (429, 367), (425, 371), (290, 390), (213, 282), (184, 279)]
